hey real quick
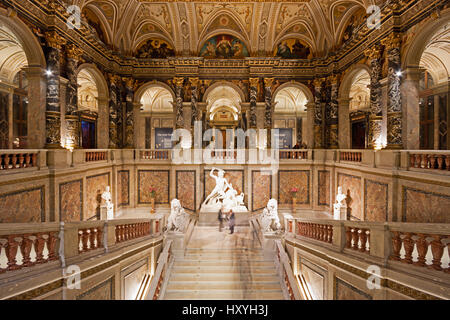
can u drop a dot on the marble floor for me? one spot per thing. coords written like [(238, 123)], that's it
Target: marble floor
[(220, 266)]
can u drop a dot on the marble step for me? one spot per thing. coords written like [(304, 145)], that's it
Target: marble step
[(225, 255), (235, 276), (224, 295), (236, 262), (225, 269), (222, 285)]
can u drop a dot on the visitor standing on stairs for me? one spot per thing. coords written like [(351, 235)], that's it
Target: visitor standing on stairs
[(221, 218), (232, 221)]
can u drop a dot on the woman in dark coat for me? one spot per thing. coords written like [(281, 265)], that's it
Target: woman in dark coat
[(232, 221)]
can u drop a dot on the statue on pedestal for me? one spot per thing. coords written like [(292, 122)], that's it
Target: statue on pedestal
[(223, 195), (178, 218), (270, 221), (109, 206), (340, 206)]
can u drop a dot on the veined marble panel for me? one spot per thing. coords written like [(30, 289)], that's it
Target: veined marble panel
[(324, 188), (314, 281), (376, 201), (425, 207), (71, 201), (22, 206), (288, 179), (352, 187), (158, 179), (95, 186), (345, 291), (102, 291), (234, 177), (186, 188), (123, 187), (261, 189)]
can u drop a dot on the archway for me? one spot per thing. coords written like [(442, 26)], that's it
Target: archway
[(156, 117), (22, 113)]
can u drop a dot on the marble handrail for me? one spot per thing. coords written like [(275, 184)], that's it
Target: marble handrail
[(286, 273), (164, 260)]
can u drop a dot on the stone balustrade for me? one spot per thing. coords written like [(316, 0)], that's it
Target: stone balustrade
[(164, 260), (91, 156), (125, 232), (424, 245), (90, 238), (224, 154), (154, 154), (431, 160), (285, 272), (18, 159), (351, 156), (294, 154), (27, 245)]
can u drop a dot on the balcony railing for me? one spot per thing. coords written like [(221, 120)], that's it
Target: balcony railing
[(294, 154), (154, 154), (431, 160), (18, 159)]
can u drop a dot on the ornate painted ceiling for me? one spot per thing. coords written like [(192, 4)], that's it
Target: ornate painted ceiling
[(224, 29)]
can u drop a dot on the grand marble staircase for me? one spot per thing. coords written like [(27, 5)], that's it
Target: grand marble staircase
[(220, 266)]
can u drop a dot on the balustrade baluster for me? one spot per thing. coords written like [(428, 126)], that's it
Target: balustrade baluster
[(440, 162), (447, 162), (6, 167), (11, 252), (432, 161), (117, 229), (348, 237), (92, 237), (408, 244), (3, 244), (85, 239), (28, 160), (396, 245), (39, 247), (422, 249), (25, 248), (13, 161), (423, 161), (99, 234), (411, 160), (437, 249), (355, 238), (51, 244), (363, 240)]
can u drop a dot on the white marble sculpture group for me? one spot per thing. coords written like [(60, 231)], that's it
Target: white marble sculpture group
[(178, 218), (270, 222), (340, 206), (223, 196), (109, 206)]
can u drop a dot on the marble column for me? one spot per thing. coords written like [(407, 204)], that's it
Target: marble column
[(103, 123), (36, 115), (309, 132), (318, 114), (113, 114), (179, 121), (410, 109), (253, 100), (53, 111), (344, 123), (72, 135), (268, 114), (195, 116), (376, 111), (333, 113), (394, 103), (130, 86)]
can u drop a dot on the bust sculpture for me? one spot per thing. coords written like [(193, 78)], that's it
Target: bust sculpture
[(106, 195), (340, 206), (223, 195), (269, 218), (178, 218)]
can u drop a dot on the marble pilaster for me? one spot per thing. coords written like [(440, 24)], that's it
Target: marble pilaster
[(309, 132), (410, 108), (333, 113), (318, 114), (344, 123), (113, 115), (253, 100), (376, 118), (130, 86)]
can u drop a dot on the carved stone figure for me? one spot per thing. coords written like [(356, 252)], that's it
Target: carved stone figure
[(223, 195), (178, 218), (270, 221), (106, 195), (340, 206)]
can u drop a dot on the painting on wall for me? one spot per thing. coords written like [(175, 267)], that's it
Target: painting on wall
[(293, 49), (224, 47), (155, 49)]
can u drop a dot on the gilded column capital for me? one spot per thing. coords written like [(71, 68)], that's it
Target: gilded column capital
[(113, 78), (392, 41), (194, 82), (254, 82), (73, 52), (334, 79), (130, 83), (178, 81), (54, 40), (268, 82), (318, 82)]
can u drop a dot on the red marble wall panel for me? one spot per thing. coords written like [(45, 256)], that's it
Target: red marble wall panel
[(425, 207), (324, 188), (186, 189), (376, 201), (345, 291), (293, 178), (351, 186), (158, 179), (22, 206), (102, 291), (71, 201), (261, 189), (123, 187), (234, 177), (95, 186)]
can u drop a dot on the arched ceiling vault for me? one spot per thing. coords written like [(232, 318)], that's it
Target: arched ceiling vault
[(260, 25)]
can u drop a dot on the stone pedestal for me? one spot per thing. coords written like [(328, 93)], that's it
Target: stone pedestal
[(211, 219), (104, 213), (340, 214)]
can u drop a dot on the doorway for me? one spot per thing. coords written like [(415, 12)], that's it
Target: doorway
[(359, 132), (88, 139)]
